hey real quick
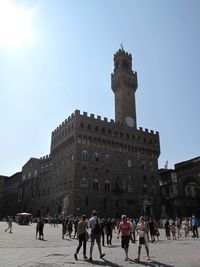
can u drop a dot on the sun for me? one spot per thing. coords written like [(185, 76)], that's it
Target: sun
[(15, 24)]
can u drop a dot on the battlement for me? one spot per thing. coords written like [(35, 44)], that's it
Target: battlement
[(64, 123), (45, 158), (122, 52), (98, 118), (148, 131)]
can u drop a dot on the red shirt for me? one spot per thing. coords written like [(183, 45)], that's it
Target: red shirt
[(125, 228)]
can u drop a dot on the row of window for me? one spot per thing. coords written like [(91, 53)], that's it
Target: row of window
[(107, 160)]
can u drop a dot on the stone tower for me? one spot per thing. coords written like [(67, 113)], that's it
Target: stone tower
[(124, 85)]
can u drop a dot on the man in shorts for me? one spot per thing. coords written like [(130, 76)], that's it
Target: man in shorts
[(95, 226), (125, 229)]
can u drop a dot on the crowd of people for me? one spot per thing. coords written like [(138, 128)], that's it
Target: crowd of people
[(101, 230)]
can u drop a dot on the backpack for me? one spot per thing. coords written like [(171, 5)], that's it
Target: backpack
[(97, 227)]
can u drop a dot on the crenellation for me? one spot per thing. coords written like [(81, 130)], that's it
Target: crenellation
[(105, 119), (77, 112), (112, 121), (98, 117), (91, 115), (140, 128), (146, 130), (85, 114), (151, 131)]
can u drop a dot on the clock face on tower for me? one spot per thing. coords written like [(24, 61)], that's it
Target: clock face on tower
[(129, 121)]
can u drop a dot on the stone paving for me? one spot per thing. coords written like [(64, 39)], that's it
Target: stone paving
[(20, 248)]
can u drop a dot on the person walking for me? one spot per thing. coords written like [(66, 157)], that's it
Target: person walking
[(64, 227), (82, 236), (95, 226), (9, 221), (109, 231), (167, 229), (124, 228), (142, 230), (41, 228), (185, 226), (194, 227)]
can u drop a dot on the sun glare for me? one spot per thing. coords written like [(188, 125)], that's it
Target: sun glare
[(15, 24)]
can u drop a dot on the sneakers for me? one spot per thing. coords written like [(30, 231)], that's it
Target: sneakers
[(75, 257), (137, 260), (85, 257), (126, 258), (102, 255), (90, 259)]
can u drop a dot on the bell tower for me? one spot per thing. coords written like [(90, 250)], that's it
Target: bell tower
[(124, 85)]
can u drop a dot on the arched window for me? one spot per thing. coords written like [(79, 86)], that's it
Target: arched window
[(96, 157), (84, 183), (107, 159), (107, 185), (96, 184), (84, 155), (191, 189)]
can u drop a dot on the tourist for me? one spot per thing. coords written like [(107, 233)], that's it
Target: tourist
[(109, 231), (125, 228), (41, 228), (9, 221), (194, 227), (82, 235), (95, 226), (185, 227), (142, 230), (64, 227), (167, 229)]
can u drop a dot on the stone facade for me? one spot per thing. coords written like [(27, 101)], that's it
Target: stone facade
[(180, 189), (96, 163)]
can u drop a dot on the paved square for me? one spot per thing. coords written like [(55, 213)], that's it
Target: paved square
[(20, 248)]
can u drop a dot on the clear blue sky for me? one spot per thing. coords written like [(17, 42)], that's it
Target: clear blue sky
[(67, 63)]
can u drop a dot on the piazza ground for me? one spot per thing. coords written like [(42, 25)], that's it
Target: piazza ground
[(22, 249)]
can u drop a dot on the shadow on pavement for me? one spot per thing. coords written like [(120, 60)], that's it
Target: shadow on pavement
[(151, 263), (105, 263)]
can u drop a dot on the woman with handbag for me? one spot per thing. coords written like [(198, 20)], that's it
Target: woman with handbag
[(142, 229), (82, 236)]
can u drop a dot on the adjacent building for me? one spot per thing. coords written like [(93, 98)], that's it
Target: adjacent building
[(180, 189)]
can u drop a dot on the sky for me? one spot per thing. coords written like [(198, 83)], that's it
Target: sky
[(56, 56)]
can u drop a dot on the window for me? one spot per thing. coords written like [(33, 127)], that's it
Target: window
[(96, 184), (84, 155), (129, 163), (35, 173), (82, 125), (84, 183), (107, 186), (96, 157), (29, 175), (106, 159), (191, 189)]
